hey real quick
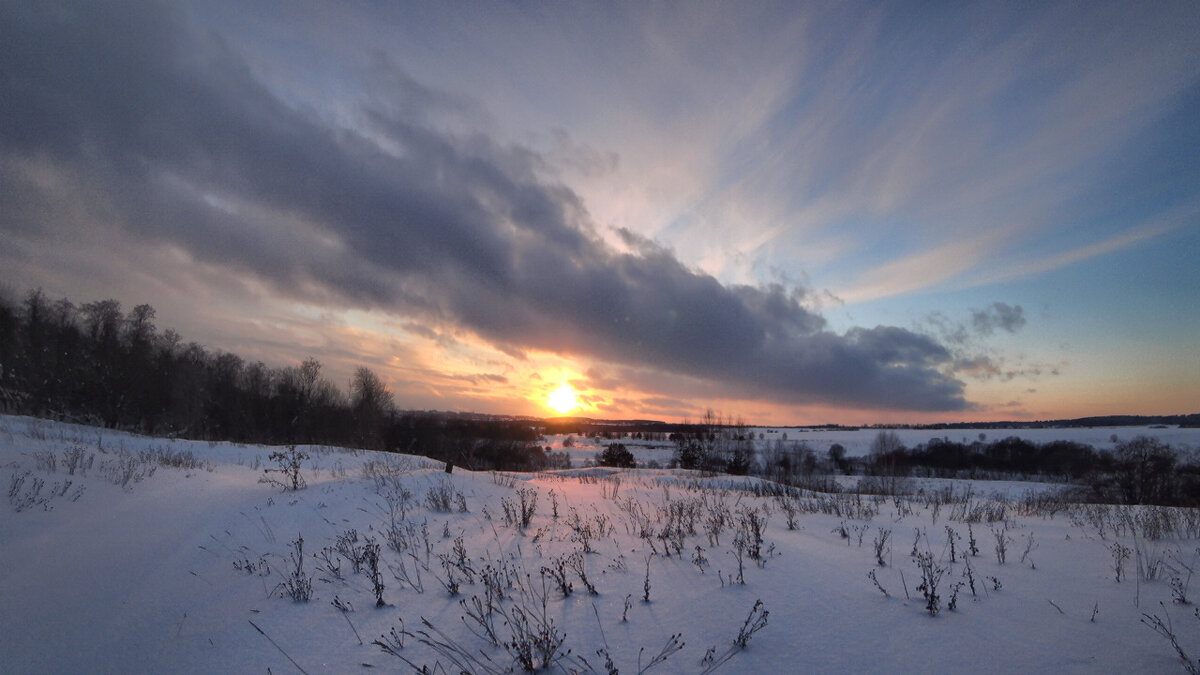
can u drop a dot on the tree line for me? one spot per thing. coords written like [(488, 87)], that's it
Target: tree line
[(1141, 470), (96, 364)]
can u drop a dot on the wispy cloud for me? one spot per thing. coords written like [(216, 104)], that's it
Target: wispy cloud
[(1178, 217), (936, 147), (924, 269)]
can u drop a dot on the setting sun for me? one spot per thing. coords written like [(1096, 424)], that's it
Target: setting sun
[(563, 400)]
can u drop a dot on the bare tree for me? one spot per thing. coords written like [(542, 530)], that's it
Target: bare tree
[(371, 404), (884, 450), (1146, 471)]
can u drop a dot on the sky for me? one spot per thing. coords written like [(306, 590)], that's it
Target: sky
[(792, 213)]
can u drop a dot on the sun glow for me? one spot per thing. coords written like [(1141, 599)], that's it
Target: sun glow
[(563, 400)]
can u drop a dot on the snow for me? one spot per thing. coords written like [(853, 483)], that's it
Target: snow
[(857, 442), (142, 577)]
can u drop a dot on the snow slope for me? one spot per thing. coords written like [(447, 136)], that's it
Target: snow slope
[(179, 569)]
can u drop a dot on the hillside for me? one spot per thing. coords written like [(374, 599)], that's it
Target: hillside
[(134, 554)]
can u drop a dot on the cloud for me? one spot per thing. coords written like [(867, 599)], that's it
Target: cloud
[(163, 134), (984, 322), (998, 135), (1009, 318), (985, 367), (480, 378), (924, 269), (1175, 218), (980, 367), (428, 333), (967, 342)]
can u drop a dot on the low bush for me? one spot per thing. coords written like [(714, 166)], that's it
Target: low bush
[(617, 455)]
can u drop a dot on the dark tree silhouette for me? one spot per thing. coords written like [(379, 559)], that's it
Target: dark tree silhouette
[(372, 406)]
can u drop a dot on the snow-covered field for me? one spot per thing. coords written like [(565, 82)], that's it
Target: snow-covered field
[(857, 442), (583, 450), (124, 554)]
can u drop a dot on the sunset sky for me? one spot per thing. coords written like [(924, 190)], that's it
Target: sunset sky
[(792, 212)]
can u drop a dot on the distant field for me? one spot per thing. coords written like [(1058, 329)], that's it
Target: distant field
[(858, 442)]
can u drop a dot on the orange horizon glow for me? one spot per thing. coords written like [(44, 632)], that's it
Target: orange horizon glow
[(447, 370)]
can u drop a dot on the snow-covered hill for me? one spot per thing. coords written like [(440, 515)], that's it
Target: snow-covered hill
[(123, 553)]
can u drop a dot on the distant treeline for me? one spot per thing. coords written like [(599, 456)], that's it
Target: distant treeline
[(1142, 470), (584, 426), (1191, 420), (94, 364)]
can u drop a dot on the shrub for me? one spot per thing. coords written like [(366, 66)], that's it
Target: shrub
[(690, 454), (1164, 628), (931, 575), (288, 463), (520, 514), (443, 497), (756, 621), (371, 558), (881, 546), (298, 584), (1146, 472), (616, 454)]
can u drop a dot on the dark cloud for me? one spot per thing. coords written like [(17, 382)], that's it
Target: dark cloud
[(600, 379), (1010, 318), (979, 366), (164, 133), (971, 357), (984, 322), (985, 367), (428, 333), (947, 330), (663, 403), (654, 406)]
